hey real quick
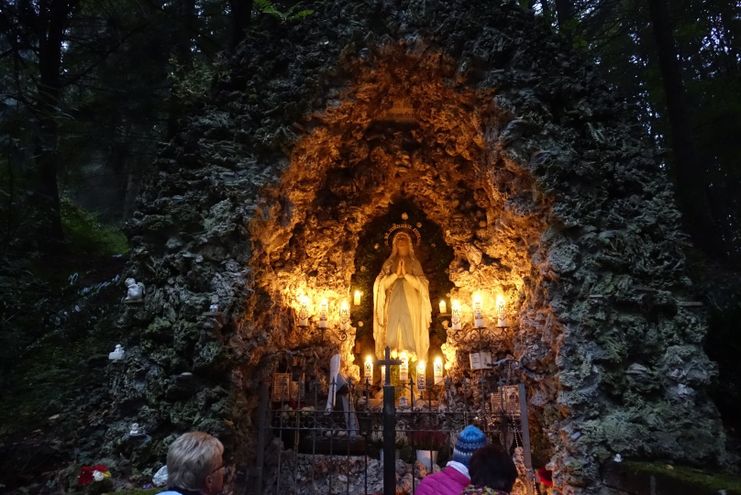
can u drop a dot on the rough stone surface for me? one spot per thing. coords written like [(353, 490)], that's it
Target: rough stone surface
[(536, 173)]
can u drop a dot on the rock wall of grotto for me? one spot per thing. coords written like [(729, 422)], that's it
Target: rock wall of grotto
[(537, 176)]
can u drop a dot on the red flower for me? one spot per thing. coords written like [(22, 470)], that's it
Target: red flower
[(544, 477), (86, 475)]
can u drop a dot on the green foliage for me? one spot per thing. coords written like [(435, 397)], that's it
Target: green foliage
[(87, 234), (294, 13), (704, 481)]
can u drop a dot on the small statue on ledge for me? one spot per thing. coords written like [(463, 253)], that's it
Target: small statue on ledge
[(134, 291), (117, 354), (135, 430), (214, 307)]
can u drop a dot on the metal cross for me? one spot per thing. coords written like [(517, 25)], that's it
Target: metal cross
[(388, 363)]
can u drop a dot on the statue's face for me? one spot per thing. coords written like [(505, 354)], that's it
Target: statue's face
[(402, 244)]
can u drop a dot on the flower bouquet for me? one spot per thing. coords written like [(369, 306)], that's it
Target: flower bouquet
[(96, 478)]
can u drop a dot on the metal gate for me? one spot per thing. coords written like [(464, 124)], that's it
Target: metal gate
[(310, 445)]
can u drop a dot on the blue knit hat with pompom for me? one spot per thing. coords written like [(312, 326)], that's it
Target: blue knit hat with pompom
[(469, 441)]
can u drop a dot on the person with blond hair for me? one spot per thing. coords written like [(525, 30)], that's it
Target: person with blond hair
[(195, 465)]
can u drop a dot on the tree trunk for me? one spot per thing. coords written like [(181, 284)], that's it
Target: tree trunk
[(53, 21), (546, 10), (186, 28), (564, 14), (241, 11), (687, 171)]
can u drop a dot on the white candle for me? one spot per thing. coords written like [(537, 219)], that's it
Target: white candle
[(421, 378), (303, 311), (443, 307), (437, 370), (323, 313), (501, 321), (368, 368), (404, 367), (344, 313), (356, 297), (478, 315), (455, 316)]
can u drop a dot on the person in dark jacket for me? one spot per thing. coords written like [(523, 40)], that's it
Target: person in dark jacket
[(492, 472)]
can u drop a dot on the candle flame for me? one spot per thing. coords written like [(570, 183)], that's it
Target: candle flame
[(501, 301)]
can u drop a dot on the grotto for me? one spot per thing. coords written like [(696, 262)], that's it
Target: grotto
[(531, 196)]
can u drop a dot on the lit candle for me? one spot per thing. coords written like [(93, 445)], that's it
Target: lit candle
[(437, 370), (501, 321), (323, 312), (455, 316), (404, 367), (368, 368), (421, 378), (443, 307), (356, 297), (303, 311), (478, 315), (344, 313)]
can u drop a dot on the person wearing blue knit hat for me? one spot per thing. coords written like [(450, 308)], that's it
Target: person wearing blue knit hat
[(469, 441), (454, 478)]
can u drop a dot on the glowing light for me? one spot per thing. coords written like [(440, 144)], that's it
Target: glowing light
[(478, 314), (323, 313), (421, 375), (404, 367), (500, 304), (344, 313), (368, 368), (443, 306), (303, 310), (357, 297), (455, 314), (437, 370)]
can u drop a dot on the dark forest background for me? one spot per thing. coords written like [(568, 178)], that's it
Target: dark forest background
[(89, 88)]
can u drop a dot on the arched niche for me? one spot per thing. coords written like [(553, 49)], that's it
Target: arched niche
[(357, 161)]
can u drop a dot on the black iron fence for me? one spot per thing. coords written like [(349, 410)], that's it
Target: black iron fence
[(339, 438)]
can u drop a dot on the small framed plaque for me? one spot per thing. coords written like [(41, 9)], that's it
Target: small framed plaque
[(480, 360), (281, 387), (507, 400)]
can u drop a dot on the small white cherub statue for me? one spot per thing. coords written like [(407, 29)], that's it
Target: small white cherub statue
[(117, 354), (134, 292), (135, 430), (214, 307)]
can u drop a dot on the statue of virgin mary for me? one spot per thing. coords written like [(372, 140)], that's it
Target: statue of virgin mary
[(401, 302)]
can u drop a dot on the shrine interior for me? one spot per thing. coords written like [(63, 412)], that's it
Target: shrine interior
[(403, 150)]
